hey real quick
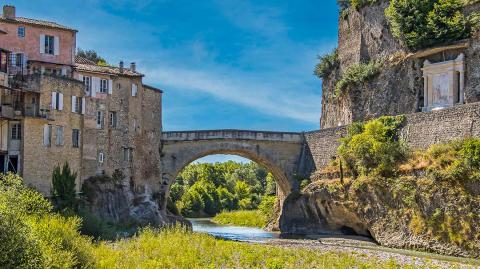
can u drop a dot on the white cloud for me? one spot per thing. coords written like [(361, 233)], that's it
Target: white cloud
[(282, 99)]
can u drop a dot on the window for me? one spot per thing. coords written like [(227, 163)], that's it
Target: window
[(59, 137), (112, 121), (103, 86), (57, 101), (49, 44), (134, 89), (127, 154), (21, 31), (19, 60), (88, 83), (119, 86), (101, 157), (100, 120), (75, 138), (16, 131), (47, 135), (76, 104)]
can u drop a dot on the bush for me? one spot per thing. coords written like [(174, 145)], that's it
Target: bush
[(424, 23), (356, 4), (356, 74), (373, 147), (34, 237), (63, 186), (267, 206), (248, 218), (327, 63)]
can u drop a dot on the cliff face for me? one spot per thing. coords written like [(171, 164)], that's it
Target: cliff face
[(365, 36)]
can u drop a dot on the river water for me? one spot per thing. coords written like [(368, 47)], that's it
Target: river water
[(237, 233)]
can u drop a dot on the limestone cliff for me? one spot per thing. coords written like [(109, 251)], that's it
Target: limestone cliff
[(408, 212), (364, 36)]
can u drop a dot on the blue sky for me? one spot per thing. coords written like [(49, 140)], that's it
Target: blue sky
[(221, 63)]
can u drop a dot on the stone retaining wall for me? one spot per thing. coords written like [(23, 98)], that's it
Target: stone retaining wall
[(419, 131)]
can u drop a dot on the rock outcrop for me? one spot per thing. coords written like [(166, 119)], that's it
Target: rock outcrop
[(113, 201), (408, 212)]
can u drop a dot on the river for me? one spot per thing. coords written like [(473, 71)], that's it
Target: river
[(237, 233)]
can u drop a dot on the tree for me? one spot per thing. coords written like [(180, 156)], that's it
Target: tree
[(92, 56), (63, 186), (423, 23)]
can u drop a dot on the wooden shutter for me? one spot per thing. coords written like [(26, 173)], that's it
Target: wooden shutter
[(60, 101), (83, 105), (42, 44), (95, 85), (46, 135), (74, 104), (54, 100), (56, 45), (64, 71), (110, 86), (80, 77)]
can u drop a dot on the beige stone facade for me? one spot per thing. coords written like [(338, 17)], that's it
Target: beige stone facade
[(55, 108), (122, 125)]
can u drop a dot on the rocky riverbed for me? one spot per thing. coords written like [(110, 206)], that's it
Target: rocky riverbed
[(368, 250)]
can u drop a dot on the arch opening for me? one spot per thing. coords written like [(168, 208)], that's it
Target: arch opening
[(206, 188)]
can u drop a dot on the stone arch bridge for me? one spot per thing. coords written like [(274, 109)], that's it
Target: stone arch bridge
[(282, 153)]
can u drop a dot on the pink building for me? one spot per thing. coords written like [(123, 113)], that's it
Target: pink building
[(37, 46)]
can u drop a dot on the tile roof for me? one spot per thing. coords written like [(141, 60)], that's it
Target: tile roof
[(85, 65), (37, 23)]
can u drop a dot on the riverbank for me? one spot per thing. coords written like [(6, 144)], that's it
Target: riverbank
[(246, 218), (365, 250)]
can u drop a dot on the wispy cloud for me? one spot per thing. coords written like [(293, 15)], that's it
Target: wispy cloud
[(233, 86)]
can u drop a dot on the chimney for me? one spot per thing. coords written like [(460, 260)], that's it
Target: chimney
[(121, 66), (133, 67), (9, 12)]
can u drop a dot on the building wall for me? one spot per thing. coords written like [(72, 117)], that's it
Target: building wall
[(30, 44), (138, 128), (38, 160)]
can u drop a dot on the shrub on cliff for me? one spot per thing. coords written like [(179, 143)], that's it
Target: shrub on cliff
[(373, 147), (326, 64), (356, 74), (424, 23)]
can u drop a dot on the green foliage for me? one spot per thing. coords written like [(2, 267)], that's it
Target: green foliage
[(373, 148), (63, 186), (326, 64), (206, 189), (424, 23), (356, 4), (92, 56), (34, 237), (267, 206), (248, 218), (357, 74)]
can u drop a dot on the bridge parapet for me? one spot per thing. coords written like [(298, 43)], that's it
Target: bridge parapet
[(232, 134)]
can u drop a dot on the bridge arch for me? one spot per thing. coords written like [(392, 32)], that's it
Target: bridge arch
[(278, 152)]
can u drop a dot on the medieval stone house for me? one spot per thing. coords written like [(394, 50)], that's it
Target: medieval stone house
[(56, 108)]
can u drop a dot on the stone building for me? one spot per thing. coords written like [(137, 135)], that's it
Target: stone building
[(56, 109), (122, 122)]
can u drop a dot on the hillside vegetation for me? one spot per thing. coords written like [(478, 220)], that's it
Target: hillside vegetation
[(429, 199)]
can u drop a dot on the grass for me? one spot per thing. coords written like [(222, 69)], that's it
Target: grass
[(249, 218), (177, 248)]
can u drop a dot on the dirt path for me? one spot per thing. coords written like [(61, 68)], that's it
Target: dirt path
[(365, 249)]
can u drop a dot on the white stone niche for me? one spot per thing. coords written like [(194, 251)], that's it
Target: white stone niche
[(444, 83)]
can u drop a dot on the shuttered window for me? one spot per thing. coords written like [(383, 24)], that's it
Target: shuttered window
[(47, 135), (16, 131), (75, 138), (59, 136)]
